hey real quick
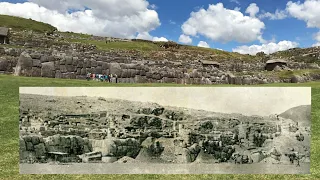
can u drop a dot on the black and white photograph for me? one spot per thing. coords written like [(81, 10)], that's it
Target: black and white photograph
[(165, 130)]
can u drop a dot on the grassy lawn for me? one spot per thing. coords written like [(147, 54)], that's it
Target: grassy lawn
[(9, 154), (282, 74)]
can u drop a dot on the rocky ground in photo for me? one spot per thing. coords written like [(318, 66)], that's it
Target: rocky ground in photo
[(95, 129)]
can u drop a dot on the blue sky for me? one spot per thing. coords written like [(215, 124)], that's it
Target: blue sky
[(128, 18), (290, 28)]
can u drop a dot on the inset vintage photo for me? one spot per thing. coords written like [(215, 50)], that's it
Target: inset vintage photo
[(165, 130)]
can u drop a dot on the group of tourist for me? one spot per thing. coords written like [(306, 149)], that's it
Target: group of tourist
[(102, 77)]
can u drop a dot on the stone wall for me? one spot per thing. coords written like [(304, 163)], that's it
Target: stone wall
[(34, 146), (74, 61)]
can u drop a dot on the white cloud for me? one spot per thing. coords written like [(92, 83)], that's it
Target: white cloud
[(237, 9), (307, 11), (316, 44), (185, 39), (266, 48), (279, 14), (317, 36), (147, 36), (203, 44), (160, 39), (121, 18), (262, 40), (235, 1), (107, 9), (252, 9), (224, 25)]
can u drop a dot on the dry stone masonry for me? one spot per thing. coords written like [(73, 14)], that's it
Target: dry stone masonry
[(151, 133), (53, 59)]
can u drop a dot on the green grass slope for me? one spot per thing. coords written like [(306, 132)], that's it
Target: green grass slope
[(147, 47), (20, 24), (9, 133)]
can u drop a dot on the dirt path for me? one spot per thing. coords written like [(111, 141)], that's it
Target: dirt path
[(139, 168)]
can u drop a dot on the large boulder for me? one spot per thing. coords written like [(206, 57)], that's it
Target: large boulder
[(45, 58), (297, 79), (278, 68), (47, 70), (207, 81), (68, 60), (98, 70), (94, 63), (36, 63), (71, 68), (35, 55), (231, 78), (36, 72), (104, 66), (115, 68), (40, 150), (87, 63), (24, 64), (83, 71), (3, 64), (158, 111), (80, 63), (238, 80), (2, 51), (58, 74), (75, 61), (140, 79), (247, 81), (67, 144), (106, 147)]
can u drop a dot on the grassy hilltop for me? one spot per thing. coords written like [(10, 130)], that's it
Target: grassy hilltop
[(20, 24), (152, 49), (148, 47)]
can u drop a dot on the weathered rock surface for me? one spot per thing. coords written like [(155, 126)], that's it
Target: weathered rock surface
[(35, 146), (75, 60)]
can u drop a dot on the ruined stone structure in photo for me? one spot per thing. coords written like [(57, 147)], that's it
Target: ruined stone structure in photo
[(100, 130)]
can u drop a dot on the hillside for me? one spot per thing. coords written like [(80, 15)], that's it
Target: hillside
[(150, 48), (19, 24), (147, 47), (300, 114), (72, 55), (307, 55)]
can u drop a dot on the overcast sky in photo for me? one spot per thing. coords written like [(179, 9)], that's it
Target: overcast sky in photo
[(247, 101)]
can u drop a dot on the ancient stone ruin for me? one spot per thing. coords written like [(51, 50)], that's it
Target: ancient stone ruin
[(134, 132), (38, 55)]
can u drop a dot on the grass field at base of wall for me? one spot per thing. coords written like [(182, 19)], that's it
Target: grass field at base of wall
[(9, 133)]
